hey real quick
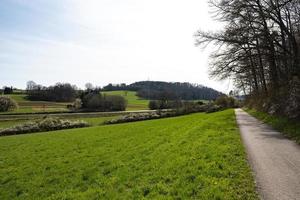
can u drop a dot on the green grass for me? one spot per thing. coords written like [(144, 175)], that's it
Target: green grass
[(198, 156), (10, 123), (134, 102), (290, 128), (93, 121)]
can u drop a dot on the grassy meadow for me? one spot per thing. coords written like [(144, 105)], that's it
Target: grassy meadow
[(134, 102), (10, 123), (27, 106), (197, 156)]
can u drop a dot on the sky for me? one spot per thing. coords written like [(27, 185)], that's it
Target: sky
[(104, 41)]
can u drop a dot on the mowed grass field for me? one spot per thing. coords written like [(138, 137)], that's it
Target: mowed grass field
[(27, 106), (198, 156), (134, 102)]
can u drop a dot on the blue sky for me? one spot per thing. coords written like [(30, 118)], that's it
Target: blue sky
[(103, 41)]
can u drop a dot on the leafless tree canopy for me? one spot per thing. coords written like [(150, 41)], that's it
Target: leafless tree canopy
[(259, 46)]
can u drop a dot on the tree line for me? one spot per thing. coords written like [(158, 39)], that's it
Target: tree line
[(60, 92), (259, 48), (89, 99), (159, 90)]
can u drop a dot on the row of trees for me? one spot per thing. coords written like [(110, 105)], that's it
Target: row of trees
[(7, 90), (259, 49), (154, 90), (88, 99), (60, 92), (94, 100), (157, 90)]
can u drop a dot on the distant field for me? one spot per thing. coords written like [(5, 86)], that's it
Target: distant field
[(198, 156), (134, 102), (93, 121), (26, 106)]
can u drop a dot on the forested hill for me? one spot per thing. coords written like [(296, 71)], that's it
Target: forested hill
[(169, 90)]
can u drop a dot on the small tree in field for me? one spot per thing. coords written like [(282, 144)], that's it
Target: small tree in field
[(7, 104)]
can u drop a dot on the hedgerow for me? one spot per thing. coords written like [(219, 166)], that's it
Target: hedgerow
[(47, 124)]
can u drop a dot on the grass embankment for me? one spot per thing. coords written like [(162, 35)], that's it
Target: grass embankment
[(290, 128), (196, 156), (134, 102)]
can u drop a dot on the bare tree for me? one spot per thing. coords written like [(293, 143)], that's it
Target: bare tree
[(259, 46)]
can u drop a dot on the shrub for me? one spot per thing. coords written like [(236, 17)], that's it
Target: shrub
[(213, 108), (7, 90), (153, 105), (7, 104), (164, 104), (114, 103), (47, 124), (187, 108), (77, 104), (135, 117), (226, 102), (94, 101)]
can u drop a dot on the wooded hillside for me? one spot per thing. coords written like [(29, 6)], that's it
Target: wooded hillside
[(169, 90)]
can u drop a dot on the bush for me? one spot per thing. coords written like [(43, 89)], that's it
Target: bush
[(115, 103), (7, 104), (94, 101), (135, 117), (60, 92), (47, 124), (164, 104), (7, 90), (153, 105), (77, 104), (226, 102), (187, 108)]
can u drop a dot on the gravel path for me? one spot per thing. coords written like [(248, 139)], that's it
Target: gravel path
[(274, 159)]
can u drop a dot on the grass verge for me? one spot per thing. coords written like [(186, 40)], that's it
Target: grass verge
[(290, 128), (197, 156)]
